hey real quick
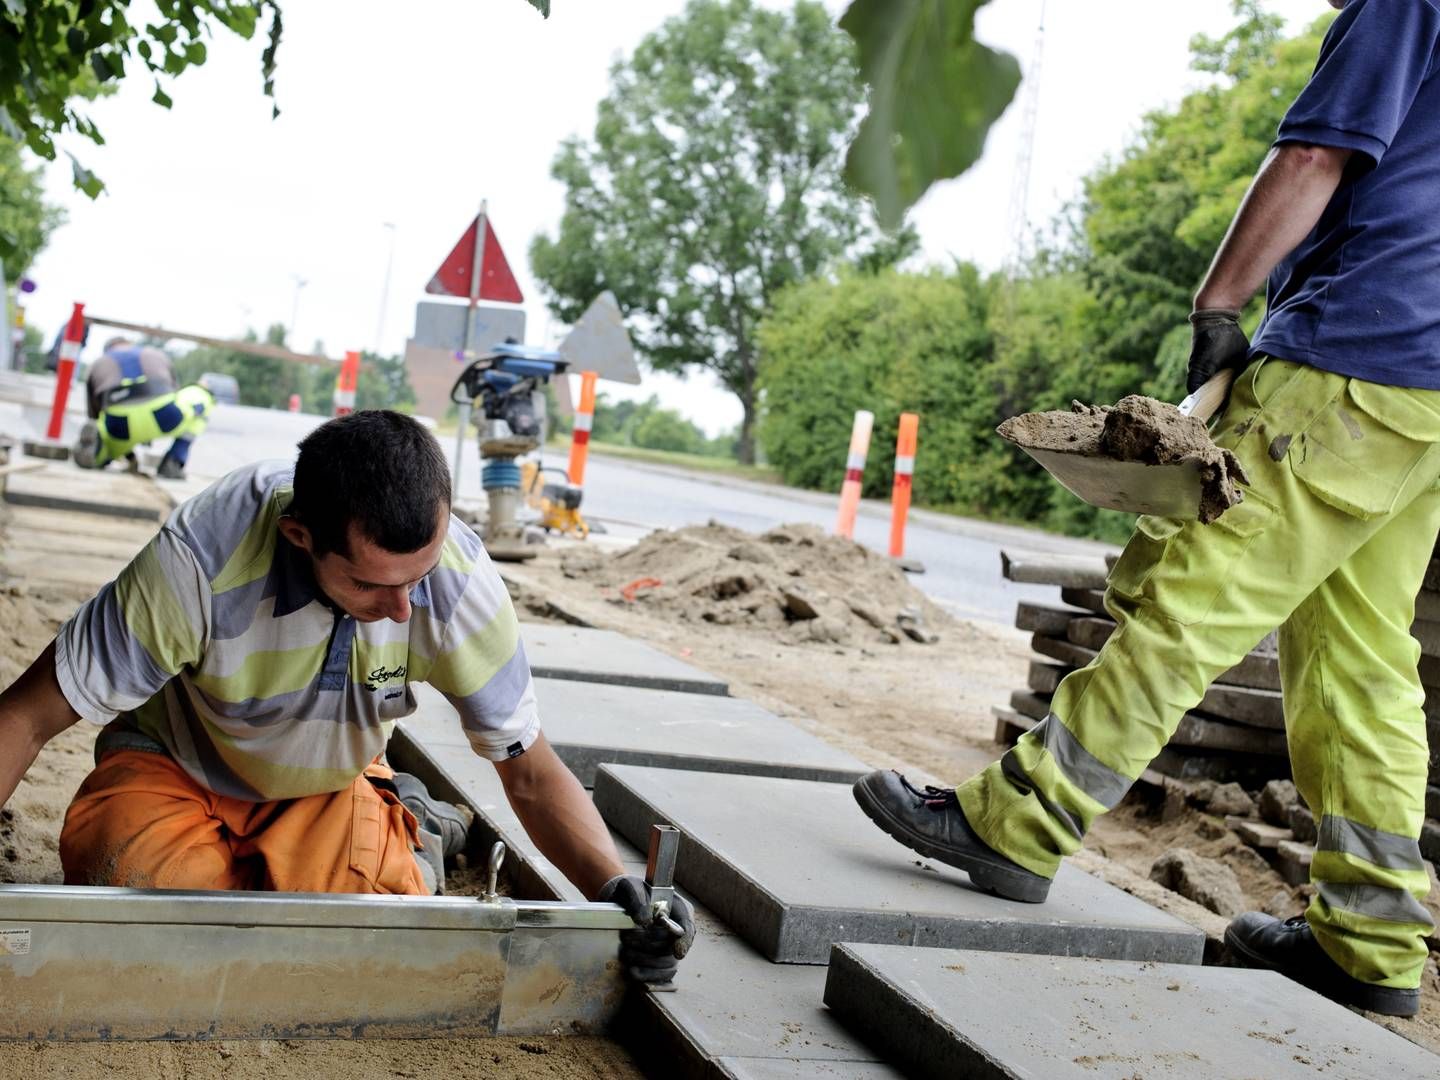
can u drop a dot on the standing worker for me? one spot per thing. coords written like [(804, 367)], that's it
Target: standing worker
[(250, 663), (131, 397), (1335, 415)]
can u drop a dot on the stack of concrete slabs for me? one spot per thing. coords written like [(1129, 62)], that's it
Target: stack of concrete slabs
[(590, 724), (794, 866), (602, 656), (948, 1013)]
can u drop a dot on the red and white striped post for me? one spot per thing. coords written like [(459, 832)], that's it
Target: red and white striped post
[(904, 471), (65, 370), (584, 420), (345, 384), (854, 473)]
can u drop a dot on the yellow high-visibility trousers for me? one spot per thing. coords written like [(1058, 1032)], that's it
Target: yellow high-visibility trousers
[(182, 415), (1331, 545)]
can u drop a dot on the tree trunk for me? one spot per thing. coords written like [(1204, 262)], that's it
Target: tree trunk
[(745, 446)]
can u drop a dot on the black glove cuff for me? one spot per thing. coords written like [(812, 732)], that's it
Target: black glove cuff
[(1210, 316)]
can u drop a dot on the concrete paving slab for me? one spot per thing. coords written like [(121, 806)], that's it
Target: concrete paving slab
[(735, 1014), (457, 774), (62, 486), (590, 724), (1194, 730), (603, 656), (1044, 618), (948, 1013), (770, 1069), (794, 866), (1240, 695)]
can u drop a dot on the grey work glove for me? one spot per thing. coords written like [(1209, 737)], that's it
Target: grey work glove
[(650, 953), (1216, 342)]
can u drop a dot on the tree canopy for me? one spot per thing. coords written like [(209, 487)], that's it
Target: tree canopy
[(267, 382), (53, 53), (26, 220), (712, 181)]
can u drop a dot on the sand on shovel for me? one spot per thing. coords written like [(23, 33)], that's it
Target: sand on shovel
[(1141, 429)]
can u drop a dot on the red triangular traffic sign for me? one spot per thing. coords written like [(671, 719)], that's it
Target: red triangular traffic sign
[(496, 280)]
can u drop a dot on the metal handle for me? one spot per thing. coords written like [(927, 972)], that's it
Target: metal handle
[(492, 875), (660, 874), (1207, 401)]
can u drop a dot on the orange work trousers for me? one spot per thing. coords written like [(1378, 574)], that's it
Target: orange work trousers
[(139, 820)]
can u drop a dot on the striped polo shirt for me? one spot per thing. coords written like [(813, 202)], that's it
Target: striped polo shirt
[(217, 644)]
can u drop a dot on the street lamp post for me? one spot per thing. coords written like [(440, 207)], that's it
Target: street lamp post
[(385, 288), (300, 283)]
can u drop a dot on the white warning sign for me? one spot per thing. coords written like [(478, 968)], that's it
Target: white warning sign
[(15, 942)]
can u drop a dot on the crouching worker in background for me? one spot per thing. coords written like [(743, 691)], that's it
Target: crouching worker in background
[(131, 397), (250, 663)]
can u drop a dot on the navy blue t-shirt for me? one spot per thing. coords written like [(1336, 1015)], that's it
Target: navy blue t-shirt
[(1360, 296)]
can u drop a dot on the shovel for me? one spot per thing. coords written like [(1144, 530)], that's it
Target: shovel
[(1171, 491)]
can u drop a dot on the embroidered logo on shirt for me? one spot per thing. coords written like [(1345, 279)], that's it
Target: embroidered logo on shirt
[(380, 676)]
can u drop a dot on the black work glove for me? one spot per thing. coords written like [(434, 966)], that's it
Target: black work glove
[(650, 953), (1216, 342)]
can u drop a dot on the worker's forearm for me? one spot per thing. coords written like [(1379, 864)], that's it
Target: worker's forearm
[(32, 712), (1284, 202), (560, 818)]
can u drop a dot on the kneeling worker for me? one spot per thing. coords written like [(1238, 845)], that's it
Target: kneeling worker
[(132, 400), (250, 663)]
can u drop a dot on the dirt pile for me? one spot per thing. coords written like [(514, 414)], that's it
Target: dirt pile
[(1136, 429), (792, 584)]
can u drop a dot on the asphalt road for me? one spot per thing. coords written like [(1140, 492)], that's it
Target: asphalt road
[(961, 556)]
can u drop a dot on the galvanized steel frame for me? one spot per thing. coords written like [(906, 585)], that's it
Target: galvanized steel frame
[(105, 963)]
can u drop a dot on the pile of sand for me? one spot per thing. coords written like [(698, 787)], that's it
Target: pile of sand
[(1136, 429), (792, 584)]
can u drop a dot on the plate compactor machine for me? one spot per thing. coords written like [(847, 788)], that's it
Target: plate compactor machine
[(505, 388)]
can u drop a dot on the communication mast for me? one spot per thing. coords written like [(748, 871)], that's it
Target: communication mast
[(1018, 217)]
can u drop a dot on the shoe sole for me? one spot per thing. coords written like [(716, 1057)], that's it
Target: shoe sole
[(87, 447), (1000, 880), (1372, 999)]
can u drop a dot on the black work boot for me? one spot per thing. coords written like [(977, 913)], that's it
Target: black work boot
[(449, 822), (1289, 947), (932, 823)]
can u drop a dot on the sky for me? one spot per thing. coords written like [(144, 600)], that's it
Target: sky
[(394, 126)]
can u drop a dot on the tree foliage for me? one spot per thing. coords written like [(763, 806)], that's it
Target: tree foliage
[(52, 52), (713, 180), (26, 220), (648, 424), (1101, 316), (267, 382), (934, 92)]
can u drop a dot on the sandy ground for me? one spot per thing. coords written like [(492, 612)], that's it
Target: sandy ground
[(568, 1058)]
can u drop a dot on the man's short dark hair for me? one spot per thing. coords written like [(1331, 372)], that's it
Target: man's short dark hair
[(378, 470)]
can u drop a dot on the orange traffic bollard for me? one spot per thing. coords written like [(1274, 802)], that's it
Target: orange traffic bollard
[(904, 471), (584, 419), (65, 370), (854, 473), (345, 384)]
